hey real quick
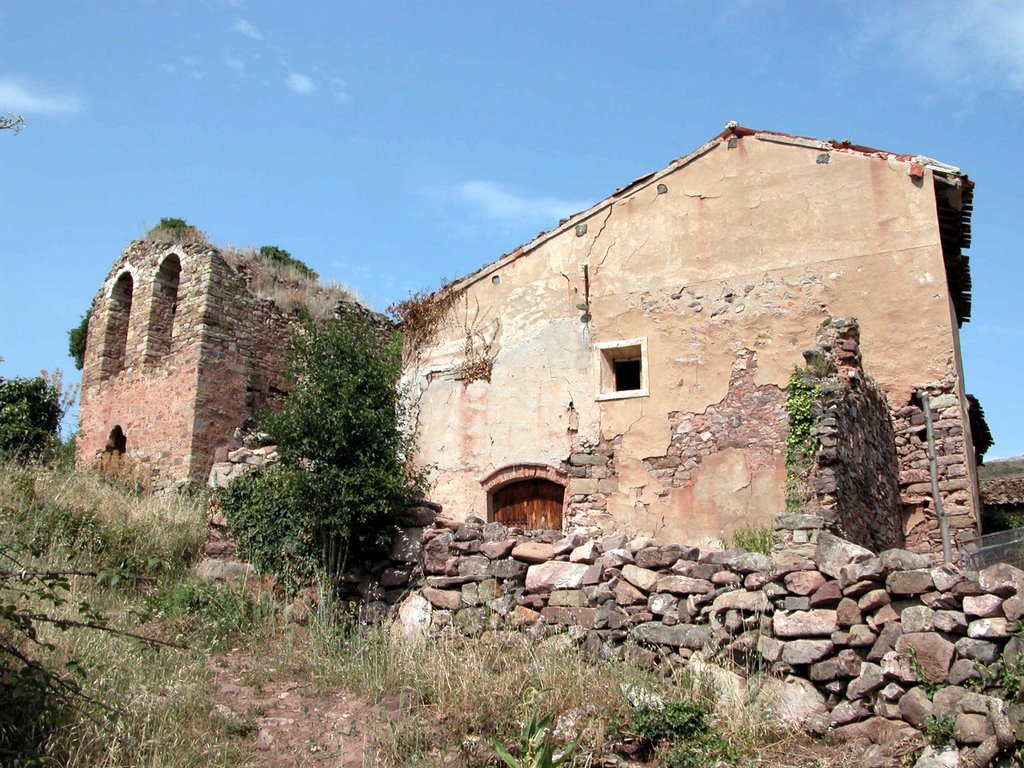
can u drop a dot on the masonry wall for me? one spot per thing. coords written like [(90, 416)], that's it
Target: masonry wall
[(725, 265), (862, 645), (177, 374)]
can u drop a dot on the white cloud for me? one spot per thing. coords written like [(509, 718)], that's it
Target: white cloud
[(300, 84), (243, 27), (497, 203), (18, 96), (962, 40), (236, 64)]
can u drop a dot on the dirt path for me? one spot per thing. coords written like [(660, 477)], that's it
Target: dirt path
[(289, 722)]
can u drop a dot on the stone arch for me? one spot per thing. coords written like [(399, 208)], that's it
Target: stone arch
[(117, 442), (117, 321), (112, 457), (163, 309), (526, 496)]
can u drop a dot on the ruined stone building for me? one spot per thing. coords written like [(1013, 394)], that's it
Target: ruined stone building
[(627, 370), (179, 353)]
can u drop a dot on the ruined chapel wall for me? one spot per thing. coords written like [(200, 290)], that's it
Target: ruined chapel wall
[(242, 357), (726, 266), (195, 364), (150, 397)]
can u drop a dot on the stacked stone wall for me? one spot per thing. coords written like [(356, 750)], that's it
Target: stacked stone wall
[(954, 472), (855, 474), (872, 644)]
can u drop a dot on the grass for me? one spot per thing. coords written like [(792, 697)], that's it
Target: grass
[(288, 287), (438, 703)]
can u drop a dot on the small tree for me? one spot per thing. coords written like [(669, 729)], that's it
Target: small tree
[(76, 340), (343, 481), (30, 414)]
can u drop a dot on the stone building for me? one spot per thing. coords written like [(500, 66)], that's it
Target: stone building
[(179, 353), (627, 370)]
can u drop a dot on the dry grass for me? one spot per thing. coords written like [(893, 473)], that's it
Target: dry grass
[(445, 699), (436, 703), (289, 287)]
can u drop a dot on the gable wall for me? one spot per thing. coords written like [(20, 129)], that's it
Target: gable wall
[(728, 274)]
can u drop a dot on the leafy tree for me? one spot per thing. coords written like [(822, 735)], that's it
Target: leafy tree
[(30, 414), (343, 481), (281, 257), (76, 340)]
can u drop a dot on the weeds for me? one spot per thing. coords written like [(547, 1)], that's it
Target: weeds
[(536, 742), (938, 729), (754, 539)]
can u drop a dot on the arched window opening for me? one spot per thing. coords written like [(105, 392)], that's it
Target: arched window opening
[(164, 307), (115, 336)]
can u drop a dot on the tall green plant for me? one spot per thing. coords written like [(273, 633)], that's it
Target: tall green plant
[(536, 742), (343, 482), (30, 414)]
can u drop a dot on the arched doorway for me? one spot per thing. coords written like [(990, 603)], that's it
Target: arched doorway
[(526, 496), (529, 504)]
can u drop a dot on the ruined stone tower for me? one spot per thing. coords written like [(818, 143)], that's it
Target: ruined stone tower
[(180, 351)]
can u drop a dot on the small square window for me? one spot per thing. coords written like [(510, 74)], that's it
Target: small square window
[(622, 369)]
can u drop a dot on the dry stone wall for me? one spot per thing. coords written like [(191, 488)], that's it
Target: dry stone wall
[(956, 486), (875, 645), (855, 473)]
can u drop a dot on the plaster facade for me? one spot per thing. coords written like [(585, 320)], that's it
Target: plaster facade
[(716, 272)]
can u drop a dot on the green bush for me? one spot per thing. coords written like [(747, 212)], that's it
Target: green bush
[(938, 729), (342, 483), (77, 338), (685, 729), (173, 230), (30, 414), (281, 257)]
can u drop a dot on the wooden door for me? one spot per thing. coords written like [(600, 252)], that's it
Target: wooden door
[(529, 504)]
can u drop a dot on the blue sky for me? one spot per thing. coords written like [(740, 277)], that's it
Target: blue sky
[(391, 145)]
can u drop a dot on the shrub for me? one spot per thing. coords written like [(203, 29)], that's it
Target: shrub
[(77, 338), (343, 482), (938, 729), (30, 414), (172, 230), (686, 729), (281, 257)]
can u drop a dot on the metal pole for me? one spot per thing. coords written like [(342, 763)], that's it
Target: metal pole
[(933, 467)]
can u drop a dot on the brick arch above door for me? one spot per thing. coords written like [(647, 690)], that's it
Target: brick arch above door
[(526, 496)]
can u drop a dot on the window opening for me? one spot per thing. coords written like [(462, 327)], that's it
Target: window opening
[(115, 336), (164, 307), (627, 375), (622, 369)]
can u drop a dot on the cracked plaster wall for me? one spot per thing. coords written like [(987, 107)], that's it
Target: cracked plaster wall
[(746, 250)]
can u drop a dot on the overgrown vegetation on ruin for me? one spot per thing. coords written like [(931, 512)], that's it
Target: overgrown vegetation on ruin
[(421, 316), (801, 444), (174, 230), (343, 482)]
